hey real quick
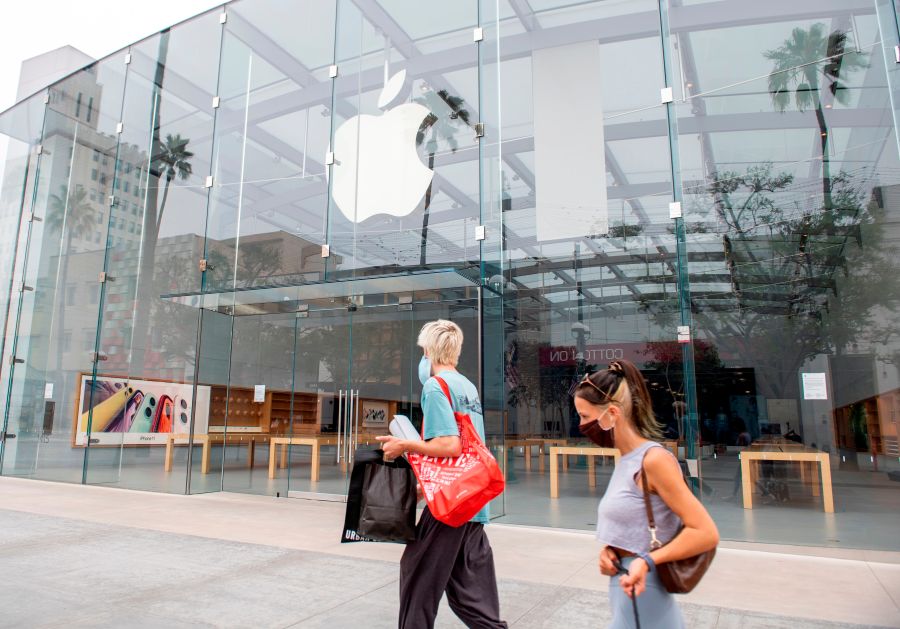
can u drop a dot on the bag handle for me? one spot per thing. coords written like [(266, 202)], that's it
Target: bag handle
[(445, 389), (651, 521)]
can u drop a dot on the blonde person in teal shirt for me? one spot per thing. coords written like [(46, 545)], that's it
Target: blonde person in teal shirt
[(443, 558)]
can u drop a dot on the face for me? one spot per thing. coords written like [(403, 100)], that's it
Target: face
[(588, 412)]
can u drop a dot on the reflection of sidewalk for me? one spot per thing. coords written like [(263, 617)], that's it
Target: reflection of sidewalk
[(78, 556)]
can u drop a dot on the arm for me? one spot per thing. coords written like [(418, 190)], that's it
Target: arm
[(449, 446), (699, 533)]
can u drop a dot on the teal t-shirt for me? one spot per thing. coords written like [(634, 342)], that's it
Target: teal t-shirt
[(439, 420)]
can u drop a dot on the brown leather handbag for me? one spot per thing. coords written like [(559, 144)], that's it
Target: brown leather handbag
[(682, 575)]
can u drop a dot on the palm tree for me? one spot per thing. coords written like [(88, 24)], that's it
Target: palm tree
[(169, 158), (805, 63), (438, 128), (72, 215), (174, 159)]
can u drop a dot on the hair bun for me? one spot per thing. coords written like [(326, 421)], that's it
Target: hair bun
[(616, 368)]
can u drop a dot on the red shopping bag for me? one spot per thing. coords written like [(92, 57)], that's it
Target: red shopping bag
[(456, 488)]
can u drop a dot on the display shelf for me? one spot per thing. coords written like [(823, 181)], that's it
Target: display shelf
[(241, 410), (272, 416)]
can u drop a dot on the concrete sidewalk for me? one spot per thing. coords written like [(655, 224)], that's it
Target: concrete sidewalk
[(89, 556)]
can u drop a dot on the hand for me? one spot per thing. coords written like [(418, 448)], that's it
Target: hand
[(392, 447), (607, 562), (635, 582)]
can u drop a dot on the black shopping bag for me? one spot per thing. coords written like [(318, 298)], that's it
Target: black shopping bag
[(381, 501)]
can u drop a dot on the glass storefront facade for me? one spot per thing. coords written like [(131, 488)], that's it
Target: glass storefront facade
[(219, 245)]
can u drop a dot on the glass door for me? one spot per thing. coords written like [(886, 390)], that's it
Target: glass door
[(353, 373), (355, 368)]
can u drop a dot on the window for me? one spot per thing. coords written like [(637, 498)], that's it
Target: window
[(93, 174), (131, 227), (93, 195), (71, 290), (116, 185), (90, 108), (96, 155), (128, 168), (103, 179), (89, 337), (137, 191), (78, 105), (97, 241), (125, 186)]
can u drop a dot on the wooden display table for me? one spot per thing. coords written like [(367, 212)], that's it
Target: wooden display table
[(793, 453), (183, 440), (526, 443), (313, 441), (588, 451), (206, 441)]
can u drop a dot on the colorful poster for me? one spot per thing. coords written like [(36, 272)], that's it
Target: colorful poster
[(122, 411)]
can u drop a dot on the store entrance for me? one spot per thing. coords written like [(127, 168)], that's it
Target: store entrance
[(305, 389)]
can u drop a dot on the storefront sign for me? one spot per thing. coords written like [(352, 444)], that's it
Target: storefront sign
[(259, 393), (593, 354)]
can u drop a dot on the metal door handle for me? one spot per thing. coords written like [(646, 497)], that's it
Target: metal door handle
[(340, 420)]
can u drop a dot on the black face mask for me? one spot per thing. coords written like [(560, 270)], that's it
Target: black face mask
[(595, 432)]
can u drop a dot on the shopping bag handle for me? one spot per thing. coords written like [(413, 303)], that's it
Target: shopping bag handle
[(445, 389)]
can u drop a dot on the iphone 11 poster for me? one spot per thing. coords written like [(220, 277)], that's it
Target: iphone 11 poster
[(137, 412)]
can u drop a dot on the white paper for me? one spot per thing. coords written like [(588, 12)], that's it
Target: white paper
[(259, 393), (48, 391), (402, 428), (814, 386)]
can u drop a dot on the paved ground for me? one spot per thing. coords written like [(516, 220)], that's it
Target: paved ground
[(79, 556)]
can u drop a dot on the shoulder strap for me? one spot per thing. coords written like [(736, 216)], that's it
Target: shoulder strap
[(651, 521), (445, 389)]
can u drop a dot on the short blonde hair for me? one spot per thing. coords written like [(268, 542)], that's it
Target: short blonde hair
[(442, 340)]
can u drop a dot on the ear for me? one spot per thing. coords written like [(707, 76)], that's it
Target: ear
[(615, 411)]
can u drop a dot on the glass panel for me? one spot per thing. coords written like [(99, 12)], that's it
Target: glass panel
[(21, 128), (789, 158), (266, 222), (404, 183), (155, 244), (494, 274), (62, 259), (583, 191)]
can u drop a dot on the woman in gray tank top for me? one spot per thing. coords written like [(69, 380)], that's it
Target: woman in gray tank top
[(614, 407)]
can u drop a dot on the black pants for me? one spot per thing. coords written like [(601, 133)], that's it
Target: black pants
[(458, 561)]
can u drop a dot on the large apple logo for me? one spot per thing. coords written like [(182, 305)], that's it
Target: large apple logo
[(377, 169)]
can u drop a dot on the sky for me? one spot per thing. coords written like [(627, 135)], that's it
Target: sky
[(95, 27)]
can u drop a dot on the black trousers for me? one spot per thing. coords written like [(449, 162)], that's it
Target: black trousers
[(458, 561)]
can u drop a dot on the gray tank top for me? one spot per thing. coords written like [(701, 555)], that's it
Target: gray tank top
[(622, 516)]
